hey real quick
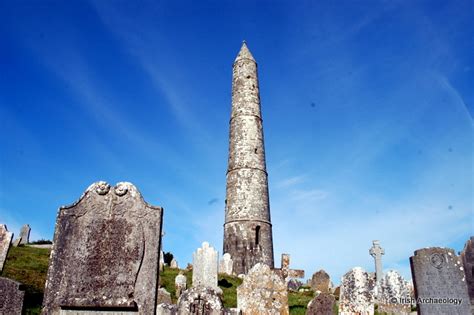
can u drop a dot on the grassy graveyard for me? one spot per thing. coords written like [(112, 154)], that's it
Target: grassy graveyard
[(29, 266)]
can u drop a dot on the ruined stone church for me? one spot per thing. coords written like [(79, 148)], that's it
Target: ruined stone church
[(247, 228)]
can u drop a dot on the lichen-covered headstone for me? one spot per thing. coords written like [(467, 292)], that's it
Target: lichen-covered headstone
[(105, 253), (320, 281), (357, 293), (205, 263), (226, 264), (200, 301), (25, 234), (174, 264), (5, 241), (440, 283), (322, 304), (180, 283), (394, 295), (467, 258), (262, 292), (12, 295)]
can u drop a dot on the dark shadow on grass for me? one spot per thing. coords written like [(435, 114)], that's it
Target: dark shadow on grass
[(33, 301), (224, 283)]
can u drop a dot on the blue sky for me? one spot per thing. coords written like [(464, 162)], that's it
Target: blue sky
[(367, 109)]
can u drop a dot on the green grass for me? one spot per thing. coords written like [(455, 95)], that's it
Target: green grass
[(297, 301), (229, 285), (167, 280), (29, 265)]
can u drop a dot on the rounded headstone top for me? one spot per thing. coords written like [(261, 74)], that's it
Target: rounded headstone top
[(102, 188)]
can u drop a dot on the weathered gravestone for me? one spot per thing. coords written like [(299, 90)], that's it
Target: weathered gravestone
[(323, 304), (205, 267), (180, 283), (174, 264), (11, 297), (25, 234), (467, 258), (226, 264), (357, 293), (320, 281), (394, 294), (200, 301), (105, 253), (262, 292), (5, 241), (440, 284)]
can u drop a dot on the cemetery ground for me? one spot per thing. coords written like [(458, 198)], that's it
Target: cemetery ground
[(29, 266)]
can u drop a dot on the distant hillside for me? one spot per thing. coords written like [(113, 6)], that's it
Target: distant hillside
[(29, 266)]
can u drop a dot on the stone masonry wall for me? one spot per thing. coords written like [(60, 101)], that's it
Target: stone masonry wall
[(247, 228)]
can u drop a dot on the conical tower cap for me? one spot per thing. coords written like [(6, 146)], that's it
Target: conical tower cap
[(244, 53)]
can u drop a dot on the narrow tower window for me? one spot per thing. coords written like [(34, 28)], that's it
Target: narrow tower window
[(257, 234)]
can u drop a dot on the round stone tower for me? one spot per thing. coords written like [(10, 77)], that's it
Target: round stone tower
[(247, 227)]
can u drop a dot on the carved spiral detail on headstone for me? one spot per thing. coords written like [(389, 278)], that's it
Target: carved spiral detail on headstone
[(437, 260), (121, 189), (102, 188)]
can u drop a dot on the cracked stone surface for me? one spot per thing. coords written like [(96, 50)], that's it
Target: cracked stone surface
[(357, 293), (105, 252), (393, 289), (262, 292), (11, 297)]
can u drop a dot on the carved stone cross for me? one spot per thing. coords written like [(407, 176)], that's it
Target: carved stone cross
[(376, 251), (285, 272), (200, 307)]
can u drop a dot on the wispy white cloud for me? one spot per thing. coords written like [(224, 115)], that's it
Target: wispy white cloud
[(308, 195), (143, 42), (291, 181)]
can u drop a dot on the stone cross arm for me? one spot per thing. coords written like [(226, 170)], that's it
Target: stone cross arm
[(285, 270), (376, 250)]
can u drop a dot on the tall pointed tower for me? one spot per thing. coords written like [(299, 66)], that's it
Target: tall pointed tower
[(247, 227)]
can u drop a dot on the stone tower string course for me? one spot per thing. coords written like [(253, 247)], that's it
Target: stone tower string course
[(247, 228)]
